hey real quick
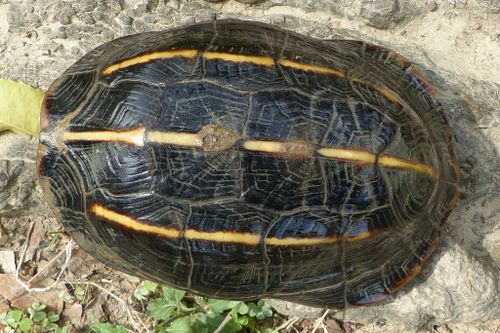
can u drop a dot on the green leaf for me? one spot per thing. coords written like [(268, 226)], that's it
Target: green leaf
[(242, 308), (160, 309), (260, 310), (53, 317), (15, 315), (25, 325), (79, 292), (207, 323), (38, 316), (243, 321), (220, 306), (37, 306), (20, 107), (51, 326), (180, 325), (61, 330), (270, 330), (140, 293), (107, 328), (150, 286), (173, 294)]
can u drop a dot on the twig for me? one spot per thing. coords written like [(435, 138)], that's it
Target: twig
[(288, 323), (319, 321), (68, 250), (117, 298), (224, 323)]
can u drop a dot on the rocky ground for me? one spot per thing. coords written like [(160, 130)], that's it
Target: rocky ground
[(456, 43)]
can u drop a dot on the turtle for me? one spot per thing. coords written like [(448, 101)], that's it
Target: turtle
[(238, 160)]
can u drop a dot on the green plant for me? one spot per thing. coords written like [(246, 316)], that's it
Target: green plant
[(106, 328), (34, 320), (16, 321), (80, 292), (177, 312), (54, 238), (144, 290)]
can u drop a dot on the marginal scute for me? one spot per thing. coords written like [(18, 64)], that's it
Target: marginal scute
[(238, 160)]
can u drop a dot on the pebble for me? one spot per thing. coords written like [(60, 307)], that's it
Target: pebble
[(87, 19), (250, 2), (22, 16), (63, 13), (4, 179), (432, 6), (124, 19), (60, 33), (379, 14)]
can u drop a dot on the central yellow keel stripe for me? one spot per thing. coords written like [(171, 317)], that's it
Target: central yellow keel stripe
[(274, 147), (398, 163), (287, 148), (133, 137), (348, 154), (174, 138)]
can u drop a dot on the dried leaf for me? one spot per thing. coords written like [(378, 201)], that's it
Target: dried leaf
[(7, 262), (20, 107)]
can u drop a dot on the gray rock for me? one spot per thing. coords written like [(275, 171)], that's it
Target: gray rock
[(379, 14), (454, 281), (22, 15), (59, 33), (62, 12), (87, 19), (124, 19), (18, 185), (492, 6), (145, 6), (87, 6), (250, 2), (432, 6)]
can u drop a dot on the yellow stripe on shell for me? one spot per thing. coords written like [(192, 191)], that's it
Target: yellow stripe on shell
[(246, 238), (348, 154), (232, 57), (223, 236), (398, 163), (311, 68), (275, 147), (139, 135), (265, 61), (133, 137), (291, 241), (287, 148), (145, 58), (174, 138), (130, 223)]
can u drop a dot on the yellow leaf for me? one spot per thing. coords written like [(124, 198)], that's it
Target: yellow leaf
[(20, 107)]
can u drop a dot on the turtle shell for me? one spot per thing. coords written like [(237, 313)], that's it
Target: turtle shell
[(239, 160)]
